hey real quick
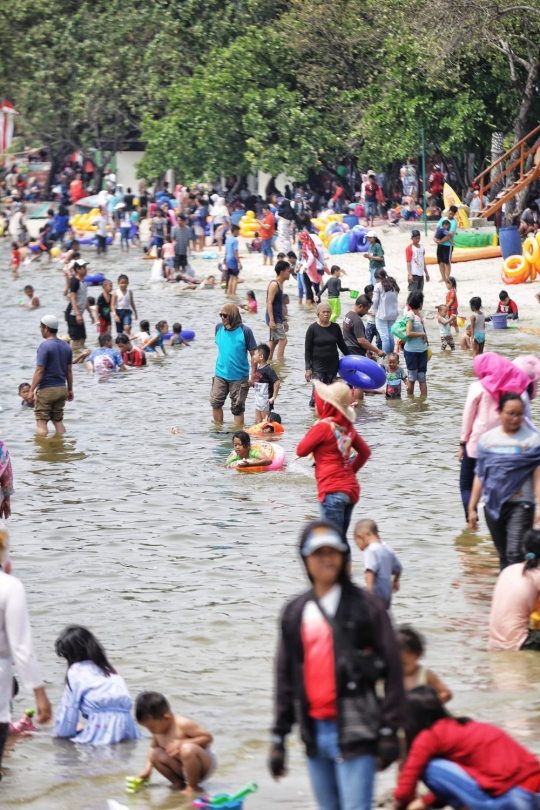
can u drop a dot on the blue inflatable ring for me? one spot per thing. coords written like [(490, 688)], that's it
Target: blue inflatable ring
[(187, 334), (96, 279), (361, 372)]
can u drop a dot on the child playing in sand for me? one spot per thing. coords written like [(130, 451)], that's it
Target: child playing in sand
[(382, 567), (266, 383), (209, 283), (256, 244), (478, 326), (177, 339), (33, 300), (445, 322), (451, 299), (507, 307), (180, 748), (411, 645), (251, 303)]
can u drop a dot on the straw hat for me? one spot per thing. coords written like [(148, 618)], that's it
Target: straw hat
[(337, 394)]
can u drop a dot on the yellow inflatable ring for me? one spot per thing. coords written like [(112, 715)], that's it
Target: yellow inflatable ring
[(514, 266), (531, 250)]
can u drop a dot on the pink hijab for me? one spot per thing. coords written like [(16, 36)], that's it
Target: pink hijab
[(499, 375), (530, 364)]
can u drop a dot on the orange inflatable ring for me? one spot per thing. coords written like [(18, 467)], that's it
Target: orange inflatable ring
[(516, 279), (534, 272), (257, 430), (515, 266), (531, 250)]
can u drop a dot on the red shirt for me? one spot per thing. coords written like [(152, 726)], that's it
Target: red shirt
[(267, 233), (136, 357), (509, 309), (319, 664), (493, 758), (333, 472), (15, 257)]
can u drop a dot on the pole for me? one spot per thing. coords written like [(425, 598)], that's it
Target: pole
[(424, 181)]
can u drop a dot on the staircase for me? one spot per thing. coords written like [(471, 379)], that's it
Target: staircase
[(525, 178)]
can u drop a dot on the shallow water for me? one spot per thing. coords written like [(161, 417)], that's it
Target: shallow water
[(181, 567)]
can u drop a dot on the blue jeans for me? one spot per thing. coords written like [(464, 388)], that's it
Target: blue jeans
[(451, 784), (266, 248), (124, 235), (301, 286), (338, 508), (371, 332), (387, 338), (339, 784)]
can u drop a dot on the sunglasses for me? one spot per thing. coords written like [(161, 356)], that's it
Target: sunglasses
[(223, 315)]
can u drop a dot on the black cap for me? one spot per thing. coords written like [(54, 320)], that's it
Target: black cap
[(414, 233)]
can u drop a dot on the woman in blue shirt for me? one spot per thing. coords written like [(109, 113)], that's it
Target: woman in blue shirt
[(416, 347)]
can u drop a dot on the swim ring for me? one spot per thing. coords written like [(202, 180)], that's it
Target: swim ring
[(274, 451), (515, 265), (187, 334), (96, 279), (361, 372), (257, 430), (531, 250)]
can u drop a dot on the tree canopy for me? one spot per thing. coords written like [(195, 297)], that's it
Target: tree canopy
[(231, 87)]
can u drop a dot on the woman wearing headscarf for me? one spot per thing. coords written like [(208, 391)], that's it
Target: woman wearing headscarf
[(309, 266), (236, 344), (285, 219), (16, 646), (507, 477), (6, 482), (385, 307), (323, 339), (496, 375), (332, 440)]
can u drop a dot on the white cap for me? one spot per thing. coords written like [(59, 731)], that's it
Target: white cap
[(50, 321), (320, 538), (371, 233)]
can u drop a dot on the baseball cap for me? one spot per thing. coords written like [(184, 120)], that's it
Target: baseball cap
[(320, 537), (371, 233), (414, 233), (50, 321), (80, 263), (371, 173)]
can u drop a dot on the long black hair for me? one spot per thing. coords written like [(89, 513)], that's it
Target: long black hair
[(531, 549), (388, 283), (78, 644), (424, 709)]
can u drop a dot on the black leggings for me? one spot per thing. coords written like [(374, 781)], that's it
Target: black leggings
[(4, 728), (508, 530), (310, 287), (466, 478)]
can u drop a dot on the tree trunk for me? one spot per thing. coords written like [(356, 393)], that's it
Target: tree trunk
[(56, 161)]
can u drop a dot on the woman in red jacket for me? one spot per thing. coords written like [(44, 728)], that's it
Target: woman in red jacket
[(331, 441), (462, 762)]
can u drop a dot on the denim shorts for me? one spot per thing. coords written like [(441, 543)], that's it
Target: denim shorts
[(266, 248), (416, 365), (371, 209), (125, 316)]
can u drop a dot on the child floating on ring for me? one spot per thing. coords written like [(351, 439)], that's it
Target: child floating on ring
[(244, 455)]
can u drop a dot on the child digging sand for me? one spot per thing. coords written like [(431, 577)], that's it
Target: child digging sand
[(180, 748), (411, 645), (382, 567)]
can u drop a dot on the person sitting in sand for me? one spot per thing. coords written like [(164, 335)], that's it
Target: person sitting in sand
[(180, 748)]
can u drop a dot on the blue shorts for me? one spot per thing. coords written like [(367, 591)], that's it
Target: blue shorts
[(480, 337), (416, 365), (371, 209), (158, 241), (125, 316), (266, 248)]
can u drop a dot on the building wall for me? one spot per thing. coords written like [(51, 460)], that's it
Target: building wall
[(126, 169)]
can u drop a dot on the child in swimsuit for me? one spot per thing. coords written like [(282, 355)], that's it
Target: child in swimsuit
[(411, 645), (478, 326), (451, 300)]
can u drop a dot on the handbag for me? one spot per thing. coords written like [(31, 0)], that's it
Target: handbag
[(399, 329)]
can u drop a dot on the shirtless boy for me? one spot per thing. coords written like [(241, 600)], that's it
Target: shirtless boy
[(180, 748)]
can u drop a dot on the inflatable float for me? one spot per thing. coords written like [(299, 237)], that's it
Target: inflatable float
[(187, 334), (95, 280), (273, 451), (470, 254), (257, 430), (361, 372)]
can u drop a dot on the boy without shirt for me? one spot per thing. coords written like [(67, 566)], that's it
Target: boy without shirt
[(180, 748)]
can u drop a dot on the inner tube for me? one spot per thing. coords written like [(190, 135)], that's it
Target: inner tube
[(187, 334), (516, 265), (470, 254), (274, 451), (531, 250), (96, 279), (361, 372), (257, 430)]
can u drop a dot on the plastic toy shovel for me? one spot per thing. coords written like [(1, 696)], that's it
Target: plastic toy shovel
[(135, 783), (251, 787)]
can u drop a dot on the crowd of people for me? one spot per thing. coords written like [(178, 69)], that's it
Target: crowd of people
[(346, 673)]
